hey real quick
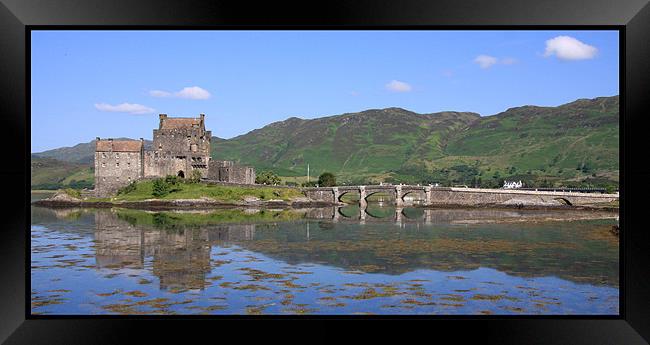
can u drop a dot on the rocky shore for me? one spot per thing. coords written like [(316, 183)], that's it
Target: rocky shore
[(62, 200)]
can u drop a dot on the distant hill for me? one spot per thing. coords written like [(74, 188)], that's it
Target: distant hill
[(49, 173), (66, 166), (575, 144), (81, 153)]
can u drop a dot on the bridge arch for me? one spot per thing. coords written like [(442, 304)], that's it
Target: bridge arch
[(421, 194), (413, 213), (372, 214), (391, 194), (339, 210), (564, 201), (348, 193)]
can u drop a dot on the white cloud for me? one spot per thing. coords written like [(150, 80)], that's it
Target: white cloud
[(130, 108), (569, 48), (159, 93), (398, 86), (191, 92), (485, 61)]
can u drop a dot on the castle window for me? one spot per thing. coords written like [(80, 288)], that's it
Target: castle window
[(117, 164), (103, 155), (103, 165), (128, 164), (117, 155)]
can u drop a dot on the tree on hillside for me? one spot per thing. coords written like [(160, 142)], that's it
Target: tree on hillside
[(267, 177), (327, 179)]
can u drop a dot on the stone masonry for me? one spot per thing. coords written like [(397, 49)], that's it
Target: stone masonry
[(181, 145), (445, 196), (227, 171), (117, 163)]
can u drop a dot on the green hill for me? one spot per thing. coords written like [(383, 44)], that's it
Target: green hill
[(83, 153), (576, 144), (573, 144), (48, 173), (365, 143)]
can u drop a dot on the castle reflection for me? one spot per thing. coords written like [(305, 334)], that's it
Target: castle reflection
[(176, 247)]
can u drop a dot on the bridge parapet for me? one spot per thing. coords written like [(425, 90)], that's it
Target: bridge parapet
[(461, 196)]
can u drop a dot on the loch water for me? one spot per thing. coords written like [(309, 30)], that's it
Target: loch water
[(380, 260)]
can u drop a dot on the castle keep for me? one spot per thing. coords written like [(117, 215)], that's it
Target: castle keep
[(180, 146)]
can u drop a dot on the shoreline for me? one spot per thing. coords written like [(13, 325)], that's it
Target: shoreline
[(203, 204)]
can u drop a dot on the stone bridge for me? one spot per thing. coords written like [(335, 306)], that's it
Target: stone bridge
[(336, 214), (460, 216), (430, 195)]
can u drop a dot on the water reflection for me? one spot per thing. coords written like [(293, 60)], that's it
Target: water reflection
[(188, 251)]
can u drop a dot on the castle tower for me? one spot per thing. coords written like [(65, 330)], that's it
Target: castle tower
[(180, 145), (117, 163)]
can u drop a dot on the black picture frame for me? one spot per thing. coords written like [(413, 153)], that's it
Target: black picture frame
[(17, 17)]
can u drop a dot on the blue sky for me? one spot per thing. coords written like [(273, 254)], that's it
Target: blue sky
[(115, 83)]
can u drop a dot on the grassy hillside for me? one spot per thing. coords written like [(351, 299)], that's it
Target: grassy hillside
[(572, 143), (368, 143), (575, 144), (48, 173)]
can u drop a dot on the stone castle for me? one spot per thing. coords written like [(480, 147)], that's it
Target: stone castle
[(180, 146)]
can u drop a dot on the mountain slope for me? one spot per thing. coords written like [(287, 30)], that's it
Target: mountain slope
[(49, 173), (83, 153), (575, 140), (575, 144), (370, 142)]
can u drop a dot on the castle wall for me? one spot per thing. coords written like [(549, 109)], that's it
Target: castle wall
[(214, 166), (160, 165), (227, 171), (114, 170), (179, 144), (182, 141), (237, 174)]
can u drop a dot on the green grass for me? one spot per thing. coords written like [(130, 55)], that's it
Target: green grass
[(73, 193), (143, 191), (175, 220)]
